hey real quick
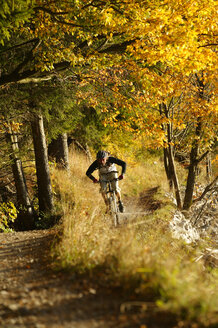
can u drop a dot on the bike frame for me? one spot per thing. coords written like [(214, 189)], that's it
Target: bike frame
[(112, 202)]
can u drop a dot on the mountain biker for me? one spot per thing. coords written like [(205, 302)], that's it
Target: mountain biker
[(105, 164)]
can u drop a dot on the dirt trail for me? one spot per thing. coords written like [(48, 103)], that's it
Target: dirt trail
[(34, 296)]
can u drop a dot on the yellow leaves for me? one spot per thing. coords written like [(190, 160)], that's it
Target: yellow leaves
[(181, 126), (108, 16), (171, 35), (8, 127), (166, 31)]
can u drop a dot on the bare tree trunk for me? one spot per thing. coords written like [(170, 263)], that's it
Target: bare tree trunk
[(167, 168), (192, 169), (171, 163), (84, 148), (208, 167), (194, 161), (58, 148), (26, 213), (89, 155), (174, 176), (42, 168)]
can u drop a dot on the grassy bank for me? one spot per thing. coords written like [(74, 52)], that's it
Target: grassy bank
[(142, 258)]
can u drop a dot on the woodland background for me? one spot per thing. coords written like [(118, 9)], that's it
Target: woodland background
[(138, 78)]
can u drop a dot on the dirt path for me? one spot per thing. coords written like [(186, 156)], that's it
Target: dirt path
[(32, 295)]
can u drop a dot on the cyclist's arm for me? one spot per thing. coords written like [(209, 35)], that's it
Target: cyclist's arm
[(118, 162), (91, 169)]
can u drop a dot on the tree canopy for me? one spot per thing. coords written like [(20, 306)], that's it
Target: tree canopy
[(147, 67)]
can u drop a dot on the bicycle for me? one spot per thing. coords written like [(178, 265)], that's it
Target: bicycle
[(112, 202)]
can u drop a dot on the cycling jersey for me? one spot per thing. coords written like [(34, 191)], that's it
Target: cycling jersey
[(108, 167)]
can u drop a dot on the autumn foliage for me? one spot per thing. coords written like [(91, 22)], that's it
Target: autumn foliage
[(147, 67)]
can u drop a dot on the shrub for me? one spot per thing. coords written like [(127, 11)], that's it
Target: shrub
[(8, 214)]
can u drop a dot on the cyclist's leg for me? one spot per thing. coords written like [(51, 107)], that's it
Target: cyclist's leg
[(103, 188), (115, 185), (118, 194), (116, 188)]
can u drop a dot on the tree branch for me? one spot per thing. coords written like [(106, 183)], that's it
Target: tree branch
[(117, 48), (206, 190), (59, 20), (19, 45), (208, 45), (202, 157), (16, 77)]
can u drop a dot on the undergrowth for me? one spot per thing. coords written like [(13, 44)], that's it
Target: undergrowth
[(8, 214), (143, 257)]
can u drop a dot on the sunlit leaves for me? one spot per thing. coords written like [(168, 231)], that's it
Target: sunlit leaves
[(9, 126), (8, 214), (171, 41), (171, 33)]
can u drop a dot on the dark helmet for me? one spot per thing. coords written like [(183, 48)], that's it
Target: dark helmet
[(101, 154)]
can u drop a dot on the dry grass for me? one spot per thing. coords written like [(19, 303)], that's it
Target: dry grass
[(143, 257)]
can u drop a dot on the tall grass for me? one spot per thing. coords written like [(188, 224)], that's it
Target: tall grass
[(141, 257)]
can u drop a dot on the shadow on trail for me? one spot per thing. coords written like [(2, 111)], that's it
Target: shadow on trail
[(147, 200), (142, 205)]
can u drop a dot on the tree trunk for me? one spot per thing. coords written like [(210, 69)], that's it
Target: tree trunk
[(172, 167), (169, 162), (58, 149), (208, 167), (26, 212), (192, 169), (173, 174), (42, 168), (167, 168), (189, 186)]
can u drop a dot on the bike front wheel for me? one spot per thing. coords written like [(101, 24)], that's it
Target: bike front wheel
[(114, 211)]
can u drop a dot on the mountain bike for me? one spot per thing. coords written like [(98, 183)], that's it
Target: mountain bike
[(112, 202)]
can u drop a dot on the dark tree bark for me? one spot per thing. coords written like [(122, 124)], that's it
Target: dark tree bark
[(26, 212), (42, 168), (194, 160), (173, 174), (58, 149), (167, 168), (192, 170), (169, 157)]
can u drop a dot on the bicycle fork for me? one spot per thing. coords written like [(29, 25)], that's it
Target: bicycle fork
[(114, 208)]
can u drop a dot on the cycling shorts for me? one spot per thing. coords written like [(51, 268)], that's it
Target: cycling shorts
[(109, 177)]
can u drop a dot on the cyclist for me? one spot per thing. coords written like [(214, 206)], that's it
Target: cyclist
[(105, 164)]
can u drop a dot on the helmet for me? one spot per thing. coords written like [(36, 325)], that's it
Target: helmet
[(101, 154)]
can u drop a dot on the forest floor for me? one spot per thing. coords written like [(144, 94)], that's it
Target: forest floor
[(35, 296)]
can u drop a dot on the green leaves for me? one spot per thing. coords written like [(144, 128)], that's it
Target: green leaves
[(13, 14), (8, 214)]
